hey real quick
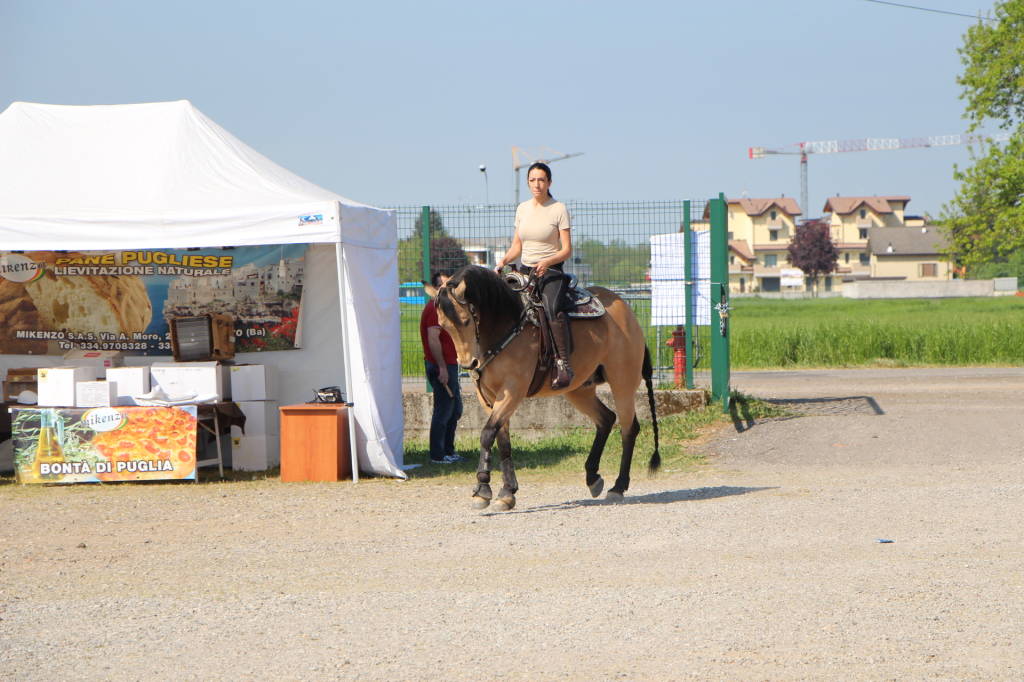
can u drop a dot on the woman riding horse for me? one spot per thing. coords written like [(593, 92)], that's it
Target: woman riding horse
[(501, 348), (543, 238)]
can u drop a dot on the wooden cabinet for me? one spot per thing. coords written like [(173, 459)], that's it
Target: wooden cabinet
[(315, 443)]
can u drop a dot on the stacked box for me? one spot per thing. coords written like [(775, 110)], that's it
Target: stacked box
[(95, 394), (130, 381), (202, 379), (251, 382), (57, 384), (257, 449)]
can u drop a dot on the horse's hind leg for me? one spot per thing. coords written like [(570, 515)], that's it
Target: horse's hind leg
[(586, 401), (628, 442), (624, 392)]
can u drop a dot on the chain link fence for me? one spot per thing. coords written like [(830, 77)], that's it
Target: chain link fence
[(611, 248)]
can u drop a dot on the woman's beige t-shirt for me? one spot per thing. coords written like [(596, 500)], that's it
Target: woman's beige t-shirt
[(538, 228)]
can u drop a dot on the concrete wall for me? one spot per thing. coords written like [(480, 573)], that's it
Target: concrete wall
[(904, 289), (535, 417)]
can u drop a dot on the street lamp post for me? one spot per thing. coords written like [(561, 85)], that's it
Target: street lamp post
[(487, 189)]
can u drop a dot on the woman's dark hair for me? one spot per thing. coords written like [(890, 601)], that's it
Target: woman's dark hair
[(540, 165), (435, 278)]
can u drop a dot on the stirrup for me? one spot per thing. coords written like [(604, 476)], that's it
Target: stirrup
[(563, 375)]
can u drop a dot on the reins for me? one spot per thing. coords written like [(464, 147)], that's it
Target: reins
[(476, 368)]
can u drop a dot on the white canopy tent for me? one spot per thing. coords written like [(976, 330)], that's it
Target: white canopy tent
[(163, 175)]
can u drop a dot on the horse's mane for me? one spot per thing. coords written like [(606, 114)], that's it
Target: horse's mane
[(498, 305)]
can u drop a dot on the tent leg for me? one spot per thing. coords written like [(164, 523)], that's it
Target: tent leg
[(347, 361)]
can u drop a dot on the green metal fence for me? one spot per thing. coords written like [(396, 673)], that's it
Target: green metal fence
[(611, 248)]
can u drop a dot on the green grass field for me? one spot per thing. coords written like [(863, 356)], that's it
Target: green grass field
[(838, 332)]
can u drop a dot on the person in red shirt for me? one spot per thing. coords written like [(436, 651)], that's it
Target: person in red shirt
[(442, 365)]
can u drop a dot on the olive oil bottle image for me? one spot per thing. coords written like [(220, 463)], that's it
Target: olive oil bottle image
[(49, 449)]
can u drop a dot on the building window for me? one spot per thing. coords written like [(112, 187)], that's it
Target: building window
[(732, 260), (928, 270), (770, 260), (730, 235), (862, 232), (773, 235), (863, 214), (865, 258), (774, 215), (846, 257)]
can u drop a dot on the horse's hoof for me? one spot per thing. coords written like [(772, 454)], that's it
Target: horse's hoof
[(596, 487), (504, 503), (480, 502), (613, 496)]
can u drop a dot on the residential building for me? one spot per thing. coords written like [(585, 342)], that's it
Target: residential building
[(911, 253), (760, 231)]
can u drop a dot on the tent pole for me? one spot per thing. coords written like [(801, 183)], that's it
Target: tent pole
[(345, 355)]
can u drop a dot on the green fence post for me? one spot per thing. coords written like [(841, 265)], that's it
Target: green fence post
[(688, 289), (425, 228), (720, 302)]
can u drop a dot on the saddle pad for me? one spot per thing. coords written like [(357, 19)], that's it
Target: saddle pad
[(585, 304)]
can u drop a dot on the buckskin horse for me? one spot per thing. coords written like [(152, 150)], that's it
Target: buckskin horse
[(490, 324)]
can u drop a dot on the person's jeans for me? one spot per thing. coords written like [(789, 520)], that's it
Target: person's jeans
[(447, 410)]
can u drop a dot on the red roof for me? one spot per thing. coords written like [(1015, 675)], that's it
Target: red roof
[(762, 206), (847, 205)]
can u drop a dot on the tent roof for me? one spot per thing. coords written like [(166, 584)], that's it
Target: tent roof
[(157, 175)]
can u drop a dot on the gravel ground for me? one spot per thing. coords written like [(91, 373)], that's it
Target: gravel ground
[(763, 564)]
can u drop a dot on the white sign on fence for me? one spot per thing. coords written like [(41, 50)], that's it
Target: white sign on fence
[(668, 278), (791, 277)]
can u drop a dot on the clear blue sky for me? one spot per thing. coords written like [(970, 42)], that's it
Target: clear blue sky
[(394, 103)]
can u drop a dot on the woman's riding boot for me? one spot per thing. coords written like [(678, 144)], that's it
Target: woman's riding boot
[(560, 332)]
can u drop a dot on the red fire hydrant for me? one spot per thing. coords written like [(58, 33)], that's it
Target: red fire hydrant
[(678, 342)]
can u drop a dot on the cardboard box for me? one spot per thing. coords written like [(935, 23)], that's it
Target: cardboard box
[(130, 381), (57, 384), (18, 380), (254, 453), (252, 382), (258, 449), (261, 418), (183, 378), (93, 358), (95, 394)]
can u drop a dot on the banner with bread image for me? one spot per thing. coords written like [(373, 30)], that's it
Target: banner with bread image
[(55, 301)]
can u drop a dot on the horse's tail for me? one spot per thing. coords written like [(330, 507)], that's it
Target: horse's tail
[(648, 373)]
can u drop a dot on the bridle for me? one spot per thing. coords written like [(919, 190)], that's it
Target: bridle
[(476, 367)]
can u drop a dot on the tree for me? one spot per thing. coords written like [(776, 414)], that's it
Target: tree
[(446, 252), (812, 250), (985, 220)]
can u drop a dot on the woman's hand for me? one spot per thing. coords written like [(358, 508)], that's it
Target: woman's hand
[(540, 268), (499, 266)]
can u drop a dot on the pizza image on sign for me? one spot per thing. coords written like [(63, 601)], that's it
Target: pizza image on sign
[(152, 443)]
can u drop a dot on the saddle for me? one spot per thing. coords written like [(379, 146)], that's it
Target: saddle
[(581, 304)]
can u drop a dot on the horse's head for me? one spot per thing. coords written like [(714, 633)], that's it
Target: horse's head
[(475, 307), (458, 317)]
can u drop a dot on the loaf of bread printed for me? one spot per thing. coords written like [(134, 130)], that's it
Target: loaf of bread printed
[(81, 304)]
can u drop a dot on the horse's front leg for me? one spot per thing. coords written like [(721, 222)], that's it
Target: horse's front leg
[(509, 485), (496, 428), (482, 491)]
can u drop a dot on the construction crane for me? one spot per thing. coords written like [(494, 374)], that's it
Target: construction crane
[(866, 144), (522, 156)]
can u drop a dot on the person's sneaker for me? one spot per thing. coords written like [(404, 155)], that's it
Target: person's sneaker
[(447, 459)]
